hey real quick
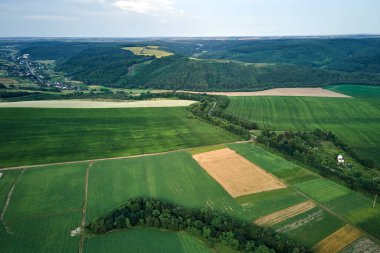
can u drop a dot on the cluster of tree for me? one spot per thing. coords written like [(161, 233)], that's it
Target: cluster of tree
[(209, 224), (305, 147), (211, 109)]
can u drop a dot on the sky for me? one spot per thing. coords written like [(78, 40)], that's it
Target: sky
[(168, 18)]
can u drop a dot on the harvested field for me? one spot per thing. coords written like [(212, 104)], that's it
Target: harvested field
[(363, 245), (238, 176), (338, 240), (97, 104), (287, 92), (284, 214)]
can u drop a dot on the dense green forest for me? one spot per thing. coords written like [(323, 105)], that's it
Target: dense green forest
[(216, 64), (206, 223)]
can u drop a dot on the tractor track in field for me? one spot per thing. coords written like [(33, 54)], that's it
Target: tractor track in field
[(83, 222), (7, 229), (24, 167)]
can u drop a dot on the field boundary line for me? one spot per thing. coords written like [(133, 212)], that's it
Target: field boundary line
[(112, 158), (284, 214), (10, 193), (83, 222)]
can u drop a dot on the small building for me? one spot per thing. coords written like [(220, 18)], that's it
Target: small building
[(340, 159)]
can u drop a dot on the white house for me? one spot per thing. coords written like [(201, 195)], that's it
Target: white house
[(340, 159)]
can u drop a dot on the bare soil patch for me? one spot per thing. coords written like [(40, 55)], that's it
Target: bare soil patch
[(97, 104), (284, 214), (235, 174), (289, 92), (338, 240)]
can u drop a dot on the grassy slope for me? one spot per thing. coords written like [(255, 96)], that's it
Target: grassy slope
[(173, 177), (137, 240), (44, 208), (36, 136), (357, 121), (354, 207)]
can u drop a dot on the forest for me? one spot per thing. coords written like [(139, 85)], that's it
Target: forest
[(217, 65)]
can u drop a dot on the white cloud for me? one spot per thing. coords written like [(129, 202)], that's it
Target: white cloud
[(154, 7)]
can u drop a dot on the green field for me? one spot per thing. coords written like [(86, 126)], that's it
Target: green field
[(37, 136), (310, 227), (322, 190), (356, 121), (173, 177), (357, 91), (45, 206), (138, 240), (264, 203)]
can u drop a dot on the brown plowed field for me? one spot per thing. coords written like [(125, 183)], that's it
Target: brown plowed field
[(284, 214), (338, 240), (235, 174)]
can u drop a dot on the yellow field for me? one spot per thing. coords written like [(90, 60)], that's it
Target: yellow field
[(148, 51), (284, 214), (338, 240), (235, 174)]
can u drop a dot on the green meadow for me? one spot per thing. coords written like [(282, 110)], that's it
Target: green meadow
[(38, 136), (355, 120)]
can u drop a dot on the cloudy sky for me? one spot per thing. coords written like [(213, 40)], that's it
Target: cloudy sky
[(145, 18)]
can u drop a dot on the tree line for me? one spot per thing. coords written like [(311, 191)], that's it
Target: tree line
[(306, 148), (207, 223)]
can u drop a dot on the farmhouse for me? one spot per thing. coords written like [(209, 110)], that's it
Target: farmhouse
[(340, 159)]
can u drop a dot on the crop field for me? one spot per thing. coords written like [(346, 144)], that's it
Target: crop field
[(359, 210), (338, 240), (354, 207), (38, 136), (173, 177), (272, 163), (264, 203), (310, 227), (7, 81), (44, 207), (145, 241), (148, 51), (235, 174), (279, 216), (358, 91), (322, 190), (355, 120)]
